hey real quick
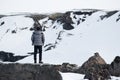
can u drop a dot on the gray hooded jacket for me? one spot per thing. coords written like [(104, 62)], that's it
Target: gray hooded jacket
[(38, 38)]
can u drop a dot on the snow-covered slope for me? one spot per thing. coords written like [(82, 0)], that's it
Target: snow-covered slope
[(92, 31), (75, 76), (15, 34), (72, 76)]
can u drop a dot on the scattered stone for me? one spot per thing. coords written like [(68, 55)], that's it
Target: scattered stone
[(66, 67)]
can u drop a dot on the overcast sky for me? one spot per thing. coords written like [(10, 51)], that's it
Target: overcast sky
[(8, 6)]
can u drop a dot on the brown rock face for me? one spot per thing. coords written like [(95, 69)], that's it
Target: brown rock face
[(95, 68), (96, 59), (28, 72)]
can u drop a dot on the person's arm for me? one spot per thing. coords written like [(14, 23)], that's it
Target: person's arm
[(43, 38), (32, 39)]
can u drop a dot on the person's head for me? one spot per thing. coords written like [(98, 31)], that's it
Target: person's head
[(36, 24), (39, 28)]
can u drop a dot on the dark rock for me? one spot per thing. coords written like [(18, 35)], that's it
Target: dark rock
[(108, 14), (49, 46), (28, 72), (97, 72), (118, 18), (78, 22), (115, 67), (117, 59), (9, 57), (67, 21), (13, 31), (83, 20), (2, 23), (67, 26), (24, 28), (66, 18), (83, 13), (66, 67)]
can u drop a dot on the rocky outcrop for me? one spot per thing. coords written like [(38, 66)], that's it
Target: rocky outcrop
[(10, 57), (94, 60), (66, 20), (95, 68), (108, 14), (28, 72), (115, 67)]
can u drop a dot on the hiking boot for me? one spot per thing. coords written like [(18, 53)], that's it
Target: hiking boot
[(40, 62), (35, 61)]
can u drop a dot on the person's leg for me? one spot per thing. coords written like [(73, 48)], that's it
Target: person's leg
[(35, 54), (40, 54)]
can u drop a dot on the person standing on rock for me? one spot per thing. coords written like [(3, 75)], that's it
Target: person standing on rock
[(38, 40)]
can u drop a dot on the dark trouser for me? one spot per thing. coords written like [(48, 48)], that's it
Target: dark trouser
[(37, 49)]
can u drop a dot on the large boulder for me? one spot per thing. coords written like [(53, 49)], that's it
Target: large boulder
[(15, 71), (94, 60), (97, 72), (115, 67), (95, 68)]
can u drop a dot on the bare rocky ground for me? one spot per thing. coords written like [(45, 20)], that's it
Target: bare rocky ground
[(95, 68)]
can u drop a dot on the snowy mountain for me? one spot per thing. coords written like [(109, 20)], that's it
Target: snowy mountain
[(71, 37)]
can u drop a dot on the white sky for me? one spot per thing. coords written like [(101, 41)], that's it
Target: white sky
[(8, 6)]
